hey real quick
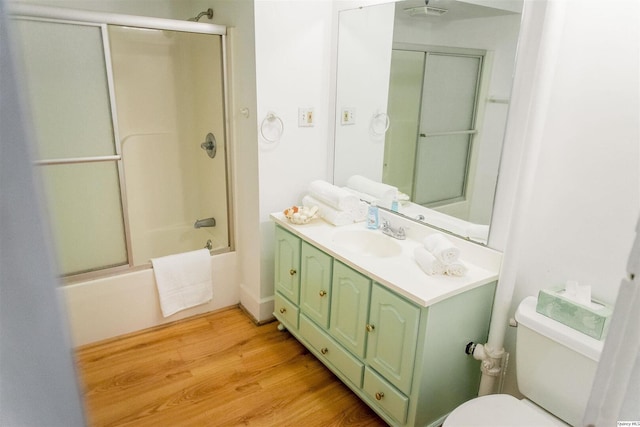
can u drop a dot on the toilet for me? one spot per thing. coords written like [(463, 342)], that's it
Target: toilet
[(555, 366)]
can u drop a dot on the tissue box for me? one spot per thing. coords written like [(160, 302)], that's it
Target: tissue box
[(592, 320)]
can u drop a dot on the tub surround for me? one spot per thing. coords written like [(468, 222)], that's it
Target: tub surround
[(401, 273)]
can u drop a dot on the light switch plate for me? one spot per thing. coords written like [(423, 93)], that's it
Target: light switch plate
[(348, 116), (306, 117)]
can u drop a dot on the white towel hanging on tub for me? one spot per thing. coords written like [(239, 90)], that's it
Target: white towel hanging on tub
[(183, 280)]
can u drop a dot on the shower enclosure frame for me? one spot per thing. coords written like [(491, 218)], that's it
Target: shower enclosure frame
[(102, 20)]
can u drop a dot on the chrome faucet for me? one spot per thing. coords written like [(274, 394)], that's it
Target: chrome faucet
[(396, 233), (207, 222)]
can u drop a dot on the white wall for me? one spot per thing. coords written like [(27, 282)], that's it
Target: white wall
[(585, 198), (292, 60)]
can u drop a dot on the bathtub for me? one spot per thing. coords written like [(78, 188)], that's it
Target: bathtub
[(111, 306)]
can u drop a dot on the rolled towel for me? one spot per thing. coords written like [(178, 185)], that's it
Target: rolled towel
[(336, 197), (376, 189), (457, 268), (328, 213), (428, 262), (441, 247)]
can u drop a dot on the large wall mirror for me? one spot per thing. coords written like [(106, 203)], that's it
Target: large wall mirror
[(423, 92)]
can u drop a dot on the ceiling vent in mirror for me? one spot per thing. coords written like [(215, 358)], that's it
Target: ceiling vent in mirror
[(425, 11)]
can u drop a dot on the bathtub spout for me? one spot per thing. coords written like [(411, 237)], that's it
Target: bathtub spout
[(207, 222)]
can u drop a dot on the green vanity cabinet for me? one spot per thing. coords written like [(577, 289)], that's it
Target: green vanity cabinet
[(392, 336), (405, 360), (350, 308), (315, 284), (287, 265)]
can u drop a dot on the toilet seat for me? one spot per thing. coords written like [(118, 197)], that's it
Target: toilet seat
[(499, 410)]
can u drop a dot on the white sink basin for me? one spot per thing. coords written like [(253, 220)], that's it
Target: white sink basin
[(367, 243)]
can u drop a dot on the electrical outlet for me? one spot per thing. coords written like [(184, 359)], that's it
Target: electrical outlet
[(348, 116), (306, 117)]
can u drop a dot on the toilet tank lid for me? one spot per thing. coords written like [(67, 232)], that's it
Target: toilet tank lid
[(527, 315)]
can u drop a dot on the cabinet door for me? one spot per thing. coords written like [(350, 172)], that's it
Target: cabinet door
[(349, 307), (393, 334), (315, 284), (286, 312), (287, 265)]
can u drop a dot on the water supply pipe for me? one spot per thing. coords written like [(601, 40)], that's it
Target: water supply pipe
[(542, 27)]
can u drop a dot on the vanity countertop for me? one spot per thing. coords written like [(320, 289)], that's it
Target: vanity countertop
[(400, 272)]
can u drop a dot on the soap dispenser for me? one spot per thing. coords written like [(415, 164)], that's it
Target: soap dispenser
[(372, 216), (394, 203)]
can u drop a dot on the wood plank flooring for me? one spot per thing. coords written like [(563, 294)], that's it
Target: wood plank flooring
[(218, 369)]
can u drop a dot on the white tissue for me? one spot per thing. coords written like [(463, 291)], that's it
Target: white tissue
[(578, 293), (571, 288), (583, 295)]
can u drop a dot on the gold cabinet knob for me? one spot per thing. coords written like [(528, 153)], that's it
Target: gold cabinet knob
[(379, 395), (292, 272), (370, 328), (324, 350), (283, 310), (322, 293)]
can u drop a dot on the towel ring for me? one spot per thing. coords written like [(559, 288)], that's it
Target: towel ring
[(380, 123), (270, 122)]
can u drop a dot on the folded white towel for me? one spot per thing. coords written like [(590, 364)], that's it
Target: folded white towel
[(456, 268), (336, 197), (428, 262), (328, 213), (441, 247), (378, 190), (183, 280)]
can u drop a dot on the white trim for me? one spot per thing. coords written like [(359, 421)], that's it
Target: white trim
[(48, 12)]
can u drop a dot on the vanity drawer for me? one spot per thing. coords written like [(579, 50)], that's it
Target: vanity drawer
[(331, 351), (286, 312), (385, 396)]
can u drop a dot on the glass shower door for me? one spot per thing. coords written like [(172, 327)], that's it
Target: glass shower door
[(67, 87), (169, 96), (122, 188)]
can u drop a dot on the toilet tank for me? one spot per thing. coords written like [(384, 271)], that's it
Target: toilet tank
[(555, 365)]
